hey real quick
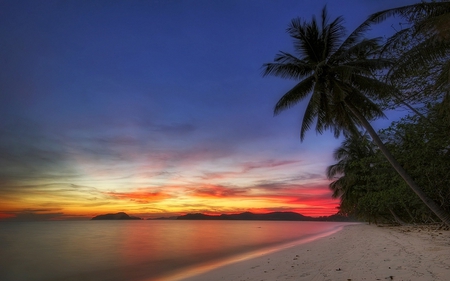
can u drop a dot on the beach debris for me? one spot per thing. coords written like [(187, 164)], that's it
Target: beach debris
[(339, 269)]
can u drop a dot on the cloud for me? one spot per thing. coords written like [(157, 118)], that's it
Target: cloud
[(30, 154), (248, 166), (174, 129), (34, 215), (140, 196), (216, 191), (244, 168)]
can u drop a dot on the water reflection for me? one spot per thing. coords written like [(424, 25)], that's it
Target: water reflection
[(133, 250)]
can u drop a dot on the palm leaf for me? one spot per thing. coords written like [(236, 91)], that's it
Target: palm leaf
[(310, 112), (295, 95), (287, 66)]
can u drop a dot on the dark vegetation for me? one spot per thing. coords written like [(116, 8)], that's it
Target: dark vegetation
[(400, 174)]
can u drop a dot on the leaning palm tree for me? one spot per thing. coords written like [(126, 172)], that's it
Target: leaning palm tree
[(337, 75)]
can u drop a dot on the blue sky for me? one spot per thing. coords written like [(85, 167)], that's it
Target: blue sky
[(146, 106)]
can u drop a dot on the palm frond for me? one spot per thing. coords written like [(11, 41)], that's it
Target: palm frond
[(443, 80), (344, 121), (338, 187), (354, 37), (306, 38), (287, 66), (331, 34), (335, 170), (310, 113), (373, 87), (323, 118), (394, 42), (365, 106), (295, 95), (362, 50), (424, 54), (425, 16), (409, 11)]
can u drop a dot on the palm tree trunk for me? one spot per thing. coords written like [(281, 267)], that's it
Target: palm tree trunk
[(407, 105), (437, 210), (396, 218), (413, 220)]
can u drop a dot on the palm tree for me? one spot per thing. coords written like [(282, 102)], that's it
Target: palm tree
[(428, 35), (337, 76), (343, 173), (354, 183), (352, 149)]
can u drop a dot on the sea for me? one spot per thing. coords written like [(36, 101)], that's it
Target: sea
[(143, 250)]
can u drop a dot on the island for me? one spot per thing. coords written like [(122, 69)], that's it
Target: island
[(116, 216), (278, 216)]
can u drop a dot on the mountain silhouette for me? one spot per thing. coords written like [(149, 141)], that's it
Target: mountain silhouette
[(117, 216), (274, 216)]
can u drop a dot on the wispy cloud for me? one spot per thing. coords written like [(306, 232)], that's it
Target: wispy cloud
[(216, 191), (141, 196)]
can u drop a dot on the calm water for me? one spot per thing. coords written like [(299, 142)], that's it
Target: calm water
[(136, 250)]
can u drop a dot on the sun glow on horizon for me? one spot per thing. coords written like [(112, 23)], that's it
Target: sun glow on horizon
[(115, 117), (74, 201), (195, 185)]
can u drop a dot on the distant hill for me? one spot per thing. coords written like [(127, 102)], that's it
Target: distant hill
[(117, 216), (274, 216), (163, 218)]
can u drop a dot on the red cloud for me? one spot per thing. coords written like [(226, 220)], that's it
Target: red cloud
[(314, 200), (216, 191)]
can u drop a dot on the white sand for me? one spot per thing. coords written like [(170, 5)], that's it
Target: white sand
[(358, 252)]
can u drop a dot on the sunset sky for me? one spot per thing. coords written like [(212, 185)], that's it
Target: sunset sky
[(157, 108)]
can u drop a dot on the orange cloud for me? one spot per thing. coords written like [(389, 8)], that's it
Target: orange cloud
[(216, 191), (140, 196)]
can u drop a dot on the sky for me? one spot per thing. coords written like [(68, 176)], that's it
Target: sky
[(157, 108)]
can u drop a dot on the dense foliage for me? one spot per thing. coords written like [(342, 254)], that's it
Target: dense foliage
[(371, 190), (420, 142)]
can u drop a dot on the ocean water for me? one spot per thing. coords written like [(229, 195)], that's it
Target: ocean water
[(139, 250)]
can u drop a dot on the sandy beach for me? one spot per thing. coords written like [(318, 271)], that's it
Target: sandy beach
[(358, 252)]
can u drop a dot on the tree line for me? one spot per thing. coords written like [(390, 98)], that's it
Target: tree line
[(399, 173)]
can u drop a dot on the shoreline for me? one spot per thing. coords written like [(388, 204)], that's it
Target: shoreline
[(357, 252), (194, 272)]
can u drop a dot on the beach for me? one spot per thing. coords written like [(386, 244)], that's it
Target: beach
[(357, 252)]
